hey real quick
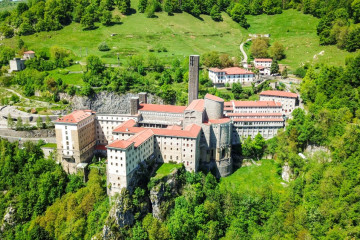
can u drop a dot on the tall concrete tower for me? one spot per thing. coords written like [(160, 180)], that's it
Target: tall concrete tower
[(193, 90)]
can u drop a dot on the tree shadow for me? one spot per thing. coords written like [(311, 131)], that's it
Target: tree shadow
[(131, 11)]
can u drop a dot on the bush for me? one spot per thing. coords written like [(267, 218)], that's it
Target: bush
[(103, 47)]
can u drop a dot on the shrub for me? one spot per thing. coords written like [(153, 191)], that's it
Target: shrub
[(103, 47)]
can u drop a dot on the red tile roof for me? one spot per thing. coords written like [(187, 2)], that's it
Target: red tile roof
[(263, 60), (191, 131), (256, 104), (214, 98), (75, 116), (228, 108), (162, 108), (279, 94), (141, 137), (258, 120), (232, 71), (219, 121), (174, 127), (237, 71), (123, 144), (196, 105), (29, 52), (131, 130), (127, 124)]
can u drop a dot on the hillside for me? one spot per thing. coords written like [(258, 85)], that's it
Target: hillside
[(183, 34)]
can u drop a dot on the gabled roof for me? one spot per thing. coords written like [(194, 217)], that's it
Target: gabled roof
[(256, 104), (75, 117), (214, 98), (263, 60), (196, 105), (127, 124), (232, 71), (279, 94), (162, 108), (29, 52), (141, 137), (122, 144), (174, 127), (191, 131)]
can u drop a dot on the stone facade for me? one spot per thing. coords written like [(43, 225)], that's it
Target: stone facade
[(194, 61)]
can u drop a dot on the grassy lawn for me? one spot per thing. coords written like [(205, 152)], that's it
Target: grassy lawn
[(70, 78), (183, 34), (253, 178), (49, 145), (297, 32), (165, 169)]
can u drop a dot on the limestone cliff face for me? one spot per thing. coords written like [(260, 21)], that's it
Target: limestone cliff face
[(106, 102), (163, 194)]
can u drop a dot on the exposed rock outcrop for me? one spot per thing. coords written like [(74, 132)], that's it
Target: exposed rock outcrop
[(164, 191), (286, 172), (106, 102), (43, 133), (9, 218)]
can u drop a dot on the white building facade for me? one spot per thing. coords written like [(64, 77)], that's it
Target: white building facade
[(231, 75), (289, 101)]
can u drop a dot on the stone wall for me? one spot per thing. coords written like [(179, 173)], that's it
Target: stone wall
[(43, 133), (106, 102)]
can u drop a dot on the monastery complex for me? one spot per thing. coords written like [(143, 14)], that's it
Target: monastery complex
[(198, 135)]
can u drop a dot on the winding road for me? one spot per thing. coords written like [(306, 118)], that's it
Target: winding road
[(243, 51)]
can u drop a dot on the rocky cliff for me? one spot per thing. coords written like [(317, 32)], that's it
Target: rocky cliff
[(164, 192), (106, 102)]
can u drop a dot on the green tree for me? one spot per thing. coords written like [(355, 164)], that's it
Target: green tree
[(284, 73), (10, 121), (215, 13), (247, 147), (258, 146), (7, 31), (48, 122), (106, 18), (355, 7), (19, 124), (87, 21), (39, 123), (277, 51), (211, 59), (142, 6), (94, 64), (274, 67), (238, 15), (259, 48)]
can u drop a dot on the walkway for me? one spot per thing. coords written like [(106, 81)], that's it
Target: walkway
[(245, 59)]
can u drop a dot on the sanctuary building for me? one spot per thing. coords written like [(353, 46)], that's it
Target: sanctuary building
[(198, 135)]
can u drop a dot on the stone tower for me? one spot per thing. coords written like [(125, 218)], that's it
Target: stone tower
[(193, 77), (134, 105)]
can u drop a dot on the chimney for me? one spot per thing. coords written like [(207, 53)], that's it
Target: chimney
[(134, 105), (193, 91), (143, 97)]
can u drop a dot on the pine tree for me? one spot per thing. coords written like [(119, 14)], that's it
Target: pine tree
[(19, 124), (39, 123), (10, 121)]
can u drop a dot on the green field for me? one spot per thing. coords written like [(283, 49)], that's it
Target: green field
[(49, 145), (165, 169), (253, 178), (183, 34), (297, 32)]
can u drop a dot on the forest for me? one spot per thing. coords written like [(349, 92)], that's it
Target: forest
[(321, 201)]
